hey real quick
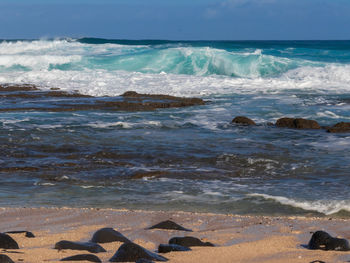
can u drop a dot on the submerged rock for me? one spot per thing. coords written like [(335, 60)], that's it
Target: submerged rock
[(89, 246), (340, 127), (5, 259), (166, 248), (169, 225), (324, 241), (83, 257), (297, 123), (189, 242), (107, 235), (243, 120), (7, 242), (131, 252)]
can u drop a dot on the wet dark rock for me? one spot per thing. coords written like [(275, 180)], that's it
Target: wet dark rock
[(74, 101), (17, 87), (131, 94), (89, 246), (189, 242), (142, 260), (340, 127), (18, 169), (324, 241), (83, 257), (169, 225), (27, 233), (297, 123), (131, 252), (242, 120), (64, 94), (5, 259), (7, 242), (166, 248), (107, 235)]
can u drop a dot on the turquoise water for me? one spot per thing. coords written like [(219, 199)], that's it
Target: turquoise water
[(199, 161)]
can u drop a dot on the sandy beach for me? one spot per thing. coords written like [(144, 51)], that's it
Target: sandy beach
[(236, 238)]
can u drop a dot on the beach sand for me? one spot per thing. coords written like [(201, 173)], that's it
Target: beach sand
[(237, 238)]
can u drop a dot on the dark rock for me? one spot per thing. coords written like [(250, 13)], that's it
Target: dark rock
[(165, 248), (131, 94), (27, 233), (83, 257), (18, 169), (189, 242), (5, 259), (17, 87), (131, 252), (340, 127), (107, 235), (169, 225), (324, 241), (243, 120), (129, 101), (297, 123), (142, 260), (317, 261), (7, 242), (89, 246), (64, 94)]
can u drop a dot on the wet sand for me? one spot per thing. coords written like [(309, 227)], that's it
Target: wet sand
[(237, 238)]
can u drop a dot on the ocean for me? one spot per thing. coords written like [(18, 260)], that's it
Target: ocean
[(192, 158)]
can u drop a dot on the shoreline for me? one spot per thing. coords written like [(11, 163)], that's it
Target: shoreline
[(237, 238)]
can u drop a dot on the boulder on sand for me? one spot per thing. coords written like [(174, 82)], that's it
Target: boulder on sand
[(189, 242), (107, 235), (7, 242), (169, 225), (324, 241), (131, 252)]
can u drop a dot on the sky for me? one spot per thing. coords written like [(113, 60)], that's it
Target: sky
[(176, 19)]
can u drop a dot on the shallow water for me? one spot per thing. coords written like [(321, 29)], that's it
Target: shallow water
[(184, 158)]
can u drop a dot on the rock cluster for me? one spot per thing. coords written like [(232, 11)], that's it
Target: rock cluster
[(295, 123)]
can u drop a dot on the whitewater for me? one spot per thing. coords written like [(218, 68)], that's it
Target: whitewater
[(207, 164)]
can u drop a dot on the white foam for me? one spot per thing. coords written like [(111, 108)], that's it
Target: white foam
[(327, 207), (37, 62), (334, 143), (332, 115), (103, 125), (112, 83), (39, 55), (13, 121)]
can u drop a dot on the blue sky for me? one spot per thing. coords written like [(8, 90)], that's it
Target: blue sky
[(176, 19)]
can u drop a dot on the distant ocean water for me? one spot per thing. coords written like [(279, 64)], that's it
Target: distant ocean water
[(199, 161)]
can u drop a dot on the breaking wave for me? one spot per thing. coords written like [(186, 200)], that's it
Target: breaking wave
[(326, 207)]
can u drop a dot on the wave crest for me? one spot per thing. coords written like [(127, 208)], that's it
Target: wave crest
[(326, 207)]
